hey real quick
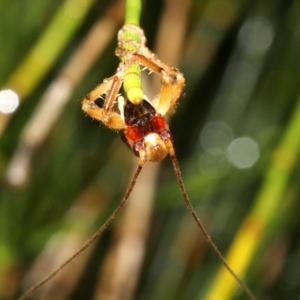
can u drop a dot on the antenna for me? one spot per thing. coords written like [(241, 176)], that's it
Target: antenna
[(200, 225), (91, 240)]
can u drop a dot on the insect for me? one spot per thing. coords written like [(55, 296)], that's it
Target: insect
[(142, 122)]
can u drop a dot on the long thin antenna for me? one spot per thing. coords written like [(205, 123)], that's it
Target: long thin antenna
[(202, 228), (91, 239)]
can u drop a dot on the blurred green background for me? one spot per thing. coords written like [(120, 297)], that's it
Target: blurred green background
[(236, 133)]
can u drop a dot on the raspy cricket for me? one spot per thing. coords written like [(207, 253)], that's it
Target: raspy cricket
[(141, 122)]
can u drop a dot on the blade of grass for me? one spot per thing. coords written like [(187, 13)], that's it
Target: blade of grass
[(47, 49), (265, 207), (59, 91)]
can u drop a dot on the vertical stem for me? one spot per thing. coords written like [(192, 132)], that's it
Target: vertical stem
[(131, 39), (133, 11)]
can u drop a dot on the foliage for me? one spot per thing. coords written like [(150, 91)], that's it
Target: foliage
[(235, 132)]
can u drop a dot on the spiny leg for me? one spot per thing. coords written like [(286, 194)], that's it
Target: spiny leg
[(110, 87), (130, 38), (172, 80)]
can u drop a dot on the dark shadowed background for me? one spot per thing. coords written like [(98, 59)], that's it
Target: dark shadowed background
[(236, 133)]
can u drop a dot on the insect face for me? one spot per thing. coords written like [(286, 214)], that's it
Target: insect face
[(146, 131)]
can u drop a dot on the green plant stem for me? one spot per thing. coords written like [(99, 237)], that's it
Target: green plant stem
[(48, 48), (132, 80), (133, 11), (45, 52)]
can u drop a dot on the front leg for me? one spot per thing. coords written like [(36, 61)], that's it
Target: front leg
[(172, 79), (106, 115)]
